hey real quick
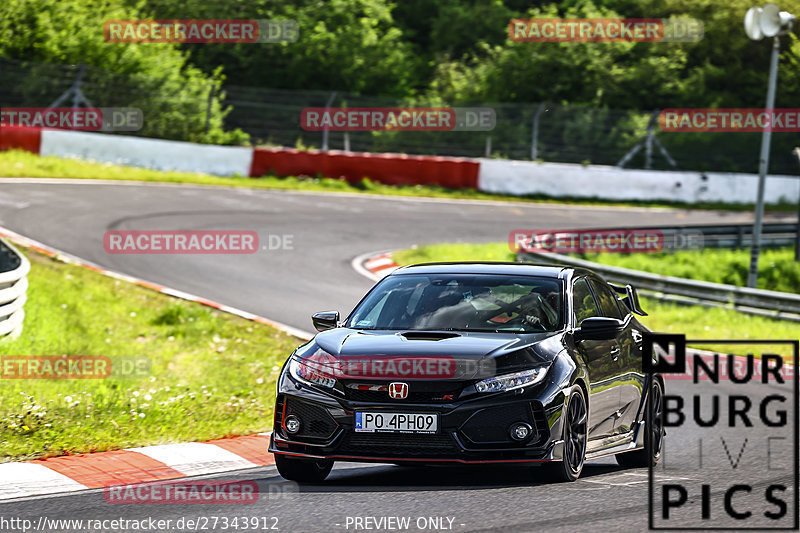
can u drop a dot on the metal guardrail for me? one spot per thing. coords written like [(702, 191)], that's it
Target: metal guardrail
[(771, 304), (14, 268), (736, 235)]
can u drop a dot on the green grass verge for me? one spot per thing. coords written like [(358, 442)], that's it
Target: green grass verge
[(495, 251), (693, 321), (212, 374), (777, 269), (16, 163)]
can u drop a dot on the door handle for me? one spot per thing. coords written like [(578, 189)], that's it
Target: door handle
[(615, 353)]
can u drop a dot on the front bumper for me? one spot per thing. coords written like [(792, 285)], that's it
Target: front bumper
[(475, 430)]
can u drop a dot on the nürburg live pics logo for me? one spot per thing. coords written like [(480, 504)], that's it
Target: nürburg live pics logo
[(730, 456)]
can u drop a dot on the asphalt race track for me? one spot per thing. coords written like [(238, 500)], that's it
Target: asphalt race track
[(328, 231)]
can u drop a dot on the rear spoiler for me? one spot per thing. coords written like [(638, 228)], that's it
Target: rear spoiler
[(631, 298)]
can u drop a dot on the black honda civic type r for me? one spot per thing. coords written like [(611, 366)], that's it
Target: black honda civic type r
[(459, 363)]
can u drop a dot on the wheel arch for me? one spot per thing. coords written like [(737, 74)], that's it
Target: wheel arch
[(580, 382)]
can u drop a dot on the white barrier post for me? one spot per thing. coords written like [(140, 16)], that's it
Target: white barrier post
[(14, 269)]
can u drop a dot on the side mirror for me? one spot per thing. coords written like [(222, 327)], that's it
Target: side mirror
[(599, 328), (325, 320)]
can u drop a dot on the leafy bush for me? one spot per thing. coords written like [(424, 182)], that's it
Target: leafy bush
[(157, 78)]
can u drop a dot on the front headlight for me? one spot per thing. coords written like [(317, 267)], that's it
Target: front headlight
[(512, 381), (313, 370)]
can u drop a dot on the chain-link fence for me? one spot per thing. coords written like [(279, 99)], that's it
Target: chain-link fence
[(544, 131)]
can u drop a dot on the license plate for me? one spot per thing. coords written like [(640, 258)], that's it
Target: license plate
[(396, 422)]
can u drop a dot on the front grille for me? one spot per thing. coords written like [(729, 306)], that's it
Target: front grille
[(419, 392), (315, 421), (398, 445), (491, 425)]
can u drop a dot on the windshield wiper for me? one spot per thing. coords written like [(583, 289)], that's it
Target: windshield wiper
[(474, 329), (373, 328)]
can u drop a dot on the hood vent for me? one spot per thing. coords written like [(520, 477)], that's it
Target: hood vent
[(428, 335)]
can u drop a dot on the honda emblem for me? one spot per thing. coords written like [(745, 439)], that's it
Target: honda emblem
[(398, 391)]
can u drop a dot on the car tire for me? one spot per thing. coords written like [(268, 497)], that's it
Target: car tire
[(302, 471), (654, 432), (574, 434)]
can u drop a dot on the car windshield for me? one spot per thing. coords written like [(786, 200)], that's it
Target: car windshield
[(462, 302)]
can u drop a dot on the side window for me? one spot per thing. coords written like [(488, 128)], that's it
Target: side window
[(623, 308), (583, 305), (606, 299)]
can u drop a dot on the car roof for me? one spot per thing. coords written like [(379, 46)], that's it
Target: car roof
[(488, 267)]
